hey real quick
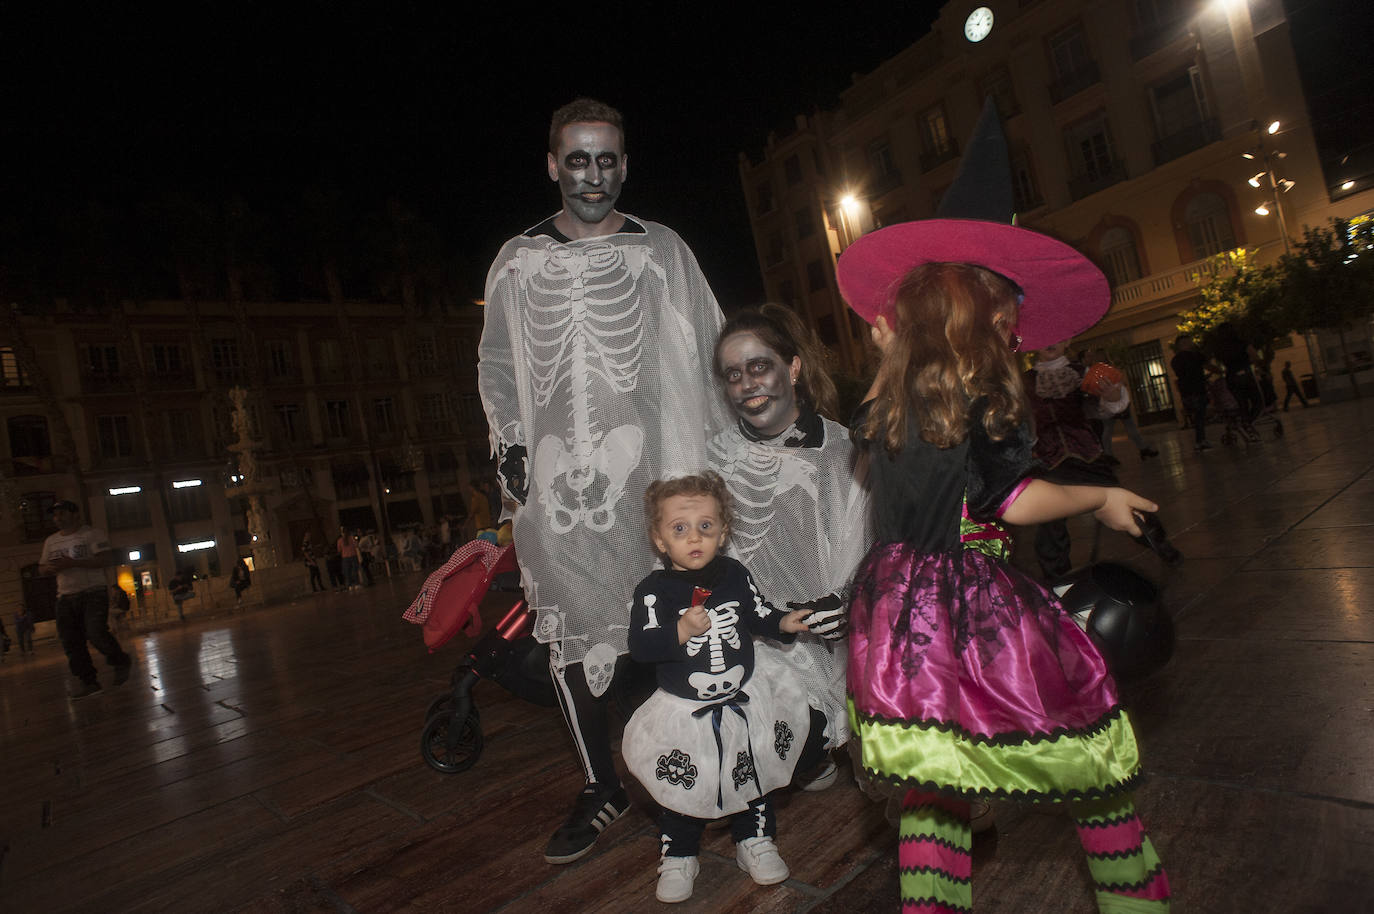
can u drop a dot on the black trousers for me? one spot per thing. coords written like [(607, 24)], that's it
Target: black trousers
[(680, 835), (1196, 407), (587, 717), (1247, 394), (82, 617)]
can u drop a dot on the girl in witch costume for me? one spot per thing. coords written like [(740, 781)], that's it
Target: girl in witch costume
[(719, 734), (966, 678)]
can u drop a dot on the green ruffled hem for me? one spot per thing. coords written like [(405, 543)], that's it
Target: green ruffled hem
[(1070, 766)]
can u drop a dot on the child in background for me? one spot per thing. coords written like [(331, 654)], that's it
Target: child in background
[(718, 736), (967, 680), (1105, 382)]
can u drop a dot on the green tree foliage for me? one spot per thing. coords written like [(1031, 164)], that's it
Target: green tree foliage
[(1330, 284), (1326, 283), (1329, 281), (1234, 289)]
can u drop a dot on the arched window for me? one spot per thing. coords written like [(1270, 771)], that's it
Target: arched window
[(1209, 225), (1120, 261)]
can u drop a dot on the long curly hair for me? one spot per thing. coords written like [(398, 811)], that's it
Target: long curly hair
[(782, 330), (952, 321)]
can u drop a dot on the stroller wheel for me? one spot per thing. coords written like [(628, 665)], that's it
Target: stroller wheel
[(448, 751), (445, 704), (1278, 429)]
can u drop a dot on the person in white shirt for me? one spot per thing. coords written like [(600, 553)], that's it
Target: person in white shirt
[(79, 554)]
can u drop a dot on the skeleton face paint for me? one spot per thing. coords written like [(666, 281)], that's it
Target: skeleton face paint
[(689, 531), (589, 166), (759, 383)]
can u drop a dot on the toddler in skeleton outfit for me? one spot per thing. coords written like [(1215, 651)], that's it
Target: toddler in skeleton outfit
[(718, 735)]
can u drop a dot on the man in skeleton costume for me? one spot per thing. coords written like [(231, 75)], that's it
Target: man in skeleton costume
[(801, 511), (595, 373)]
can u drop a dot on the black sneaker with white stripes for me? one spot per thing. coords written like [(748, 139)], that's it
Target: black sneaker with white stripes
[(596, 807)]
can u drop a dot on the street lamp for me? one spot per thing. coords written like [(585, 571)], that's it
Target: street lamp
[(1267, 180), (851, 218)]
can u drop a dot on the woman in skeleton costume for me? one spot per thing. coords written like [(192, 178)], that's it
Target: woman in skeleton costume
[(718, 735), (595, 374), (801, 511)]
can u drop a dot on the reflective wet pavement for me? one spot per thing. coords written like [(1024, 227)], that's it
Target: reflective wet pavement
[(269, 760)]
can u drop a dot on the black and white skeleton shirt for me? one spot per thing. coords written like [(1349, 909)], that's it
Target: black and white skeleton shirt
[(714, 665), (595, 367), (802, 526)]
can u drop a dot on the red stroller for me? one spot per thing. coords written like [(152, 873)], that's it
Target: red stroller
[(448, 603)]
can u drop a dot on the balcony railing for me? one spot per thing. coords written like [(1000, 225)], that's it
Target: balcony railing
[(1086, 183), (289, 377), (1089, 74), (1192, 137), (172, 380), (36, 466), (1160, 286), (103, 383)]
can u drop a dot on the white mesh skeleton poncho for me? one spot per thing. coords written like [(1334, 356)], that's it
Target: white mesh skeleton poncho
[(596, 359), (801, 526)]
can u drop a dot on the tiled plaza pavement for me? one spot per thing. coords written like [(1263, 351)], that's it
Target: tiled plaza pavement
[(268, 761)]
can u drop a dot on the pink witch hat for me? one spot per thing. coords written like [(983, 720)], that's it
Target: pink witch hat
[(1063, 292)]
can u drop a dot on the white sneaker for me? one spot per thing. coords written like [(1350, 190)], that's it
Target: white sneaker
[(829, 773), (759, 858), (675, 878)]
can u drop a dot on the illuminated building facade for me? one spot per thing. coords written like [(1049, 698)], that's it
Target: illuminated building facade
[(130, 413), (1127, 121)]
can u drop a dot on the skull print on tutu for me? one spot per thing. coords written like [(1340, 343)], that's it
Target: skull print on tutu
[(724, 711)]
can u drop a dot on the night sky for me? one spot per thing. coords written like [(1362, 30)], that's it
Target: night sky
[(440, 107), (447, 110)]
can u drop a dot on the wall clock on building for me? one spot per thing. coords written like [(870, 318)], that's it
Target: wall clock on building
[(978, 24)]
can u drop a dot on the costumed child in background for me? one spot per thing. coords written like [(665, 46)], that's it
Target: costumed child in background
[(967, 679), (1105, 382), (718, 735)]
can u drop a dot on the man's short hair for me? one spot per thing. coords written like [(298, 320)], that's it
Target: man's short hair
[(64, 505), (583, 111)]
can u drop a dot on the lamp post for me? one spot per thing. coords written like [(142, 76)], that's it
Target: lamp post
[(1277, 186)]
